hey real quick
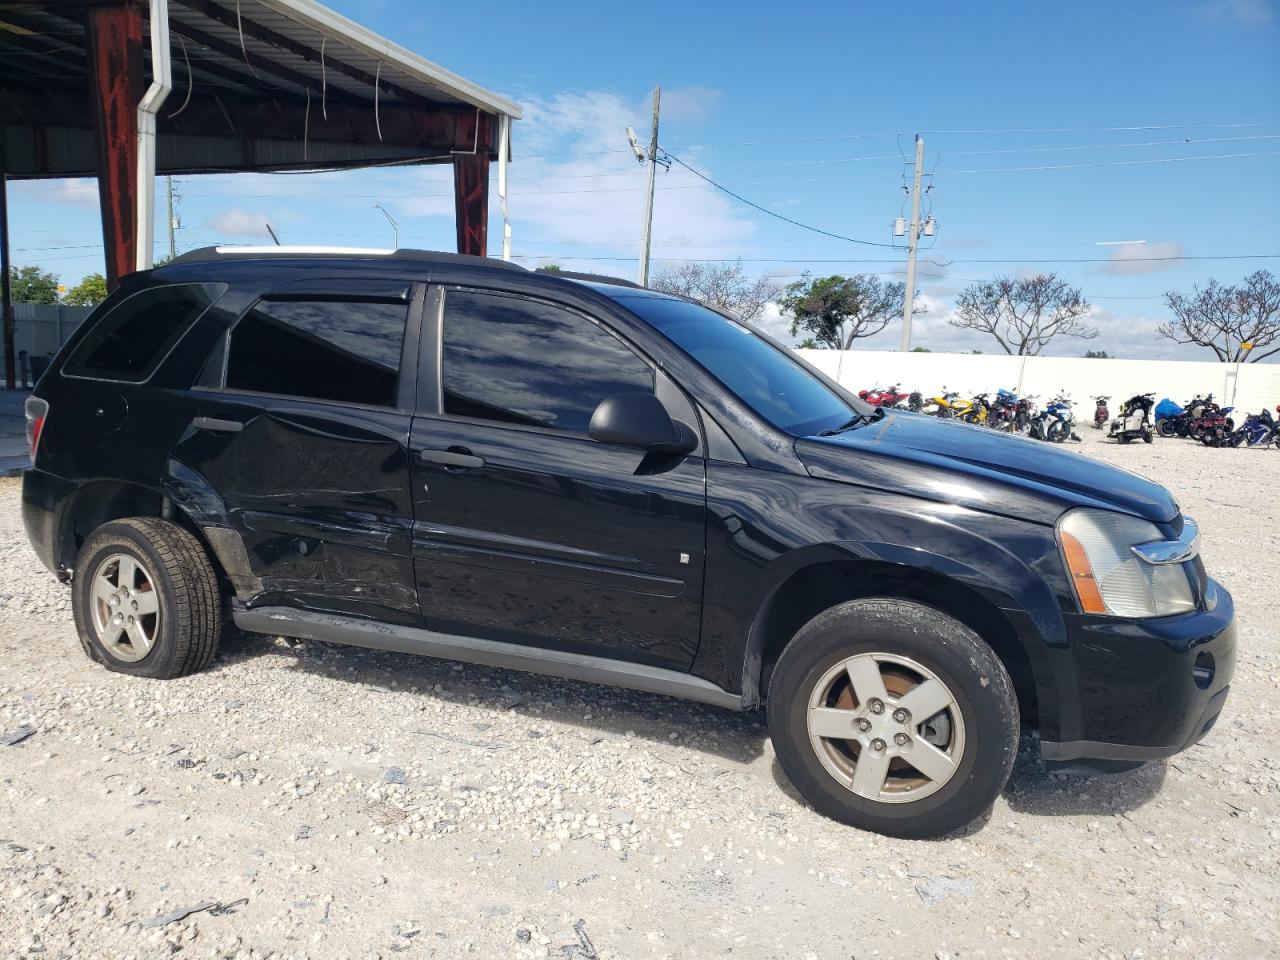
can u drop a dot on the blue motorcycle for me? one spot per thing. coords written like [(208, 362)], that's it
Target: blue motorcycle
[(1258, 430)]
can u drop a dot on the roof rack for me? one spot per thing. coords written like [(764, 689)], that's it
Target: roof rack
[(591, 278), (225, 252)]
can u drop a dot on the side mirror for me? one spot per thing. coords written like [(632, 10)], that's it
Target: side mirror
[(640, 420)]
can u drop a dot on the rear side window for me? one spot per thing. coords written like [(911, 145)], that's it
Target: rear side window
[(521, 361), (346, 351), (135, 335)]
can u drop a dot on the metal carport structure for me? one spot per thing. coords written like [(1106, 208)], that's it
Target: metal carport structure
[(123, 89)]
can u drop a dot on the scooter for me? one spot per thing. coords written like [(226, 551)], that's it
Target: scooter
[(1134, 422), (1100, 413)]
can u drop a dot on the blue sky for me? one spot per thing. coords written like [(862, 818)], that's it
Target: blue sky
[(809, 109)]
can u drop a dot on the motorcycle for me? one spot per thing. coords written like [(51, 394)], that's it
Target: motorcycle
[(1055, 422), (948, 405), (1023, 413), (1212, 426), (883, 396), (979, 409), (1002, 412), (1134, 421), (1258, 430), (1100, 413), (915, 402)]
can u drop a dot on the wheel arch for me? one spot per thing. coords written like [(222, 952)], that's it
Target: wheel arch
[(836, 576)]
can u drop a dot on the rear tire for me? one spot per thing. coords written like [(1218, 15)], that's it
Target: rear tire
[(145, 599), (921, 658), (1165, 429)]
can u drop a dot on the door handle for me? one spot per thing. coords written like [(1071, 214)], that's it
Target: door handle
[(220, 426), (457, 457)]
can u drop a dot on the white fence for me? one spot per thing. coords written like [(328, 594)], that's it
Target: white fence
[(39, 329), (1257, 385)]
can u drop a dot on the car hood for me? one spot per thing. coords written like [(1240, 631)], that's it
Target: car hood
[(972, 466)]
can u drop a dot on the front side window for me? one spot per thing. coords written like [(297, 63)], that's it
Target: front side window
[(339, 350), (522, 361), (767, 379), (129, 343)]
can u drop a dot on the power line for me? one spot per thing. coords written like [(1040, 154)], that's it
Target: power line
[(778, 216)]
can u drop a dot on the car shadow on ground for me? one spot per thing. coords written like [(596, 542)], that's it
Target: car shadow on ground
[(595, 709), (600, 711)]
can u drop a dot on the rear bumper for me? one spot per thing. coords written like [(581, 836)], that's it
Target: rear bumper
[(44, 496), (1146, 689)]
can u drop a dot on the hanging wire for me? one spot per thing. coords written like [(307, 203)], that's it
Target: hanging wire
[(306, 127), (243, 51), (191, 80), (377, 88)]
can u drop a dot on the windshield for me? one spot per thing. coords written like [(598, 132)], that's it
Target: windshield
[(766, 378)]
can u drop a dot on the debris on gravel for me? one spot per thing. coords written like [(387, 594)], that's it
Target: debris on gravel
[(304, 800)]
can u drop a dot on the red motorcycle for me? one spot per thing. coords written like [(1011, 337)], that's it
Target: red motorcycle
[(885, 396), (1101, 415), (1212, 427)]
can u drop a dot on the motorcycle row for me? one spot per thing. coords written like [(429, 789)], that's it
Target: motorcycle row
[(1141, 418), (1054, 423)]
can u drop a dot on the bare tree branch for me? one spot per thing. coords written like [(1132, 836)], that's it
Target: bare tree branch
[(725, 286), (1224, 318), (1024, 315)]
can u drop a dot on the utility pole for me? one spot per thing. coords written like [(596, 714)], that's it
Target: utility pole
[(652, 160), (913, 236), (395, 227), (173, 244)]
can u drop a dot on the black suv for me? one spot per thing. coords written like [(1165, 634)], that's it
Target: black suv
[(458, 457)]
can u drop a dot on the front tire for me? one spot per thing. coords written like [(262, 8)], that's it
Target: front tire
[(893, 717), (145, 599)]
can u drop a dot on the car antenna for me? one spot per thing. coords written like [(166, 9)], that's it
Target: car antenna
[(273, 234)]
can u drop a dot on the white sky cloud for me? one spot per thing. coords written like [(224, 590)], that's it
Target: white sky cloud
[(240, 223), (1130, 258)]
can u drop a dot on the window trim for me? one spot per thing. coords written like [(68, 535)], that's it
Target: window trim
[(437, 362), (406, 377), (159, 364)]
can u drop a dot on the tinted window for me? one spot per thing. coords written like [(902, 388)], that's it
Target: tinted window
[(346, 351), (138, 332), (520, 361), (770, 381)]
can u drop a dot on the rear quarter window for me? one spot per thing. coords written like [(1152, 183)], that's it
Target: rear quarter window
[(133, 337)]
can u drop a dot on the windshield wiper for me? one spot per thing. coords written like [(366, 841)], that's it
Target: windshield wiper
[(857, 421)]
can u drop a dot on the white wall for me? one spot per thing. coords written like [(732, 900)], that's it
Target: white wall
[(1258, 385)]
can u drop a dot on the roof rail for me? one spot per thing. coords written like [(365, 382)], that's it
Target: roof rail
[(591, 278), (225, 252)]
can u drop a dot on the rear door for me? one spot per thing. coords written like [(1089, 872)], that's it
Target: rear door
[(527, 530), (304, 435)]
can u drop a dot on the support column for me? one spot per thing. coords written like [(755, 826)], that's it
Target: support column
[(115, 81), (6, 286), (471, 191)]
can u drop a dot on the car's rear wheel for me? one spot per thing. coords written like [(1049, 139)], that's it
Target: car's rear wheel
[(145, 599), (893, 717)]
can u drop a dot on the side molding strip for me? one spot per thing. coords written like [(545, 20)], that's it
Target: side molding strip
[(288, 622)]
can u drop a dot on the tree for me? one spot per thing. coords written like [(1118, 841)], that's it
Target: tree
[(1225, 317), (722, 286), (921, 350), (1023, 315), (33, 285), (89, 292), (1097, 355), (838, 310)]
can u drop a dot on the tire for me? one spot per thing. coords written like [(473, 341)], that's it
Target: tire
[(897, 642), (1165, 429), (1123, 437), (1058, 431), (171, 589), (1147, 435)]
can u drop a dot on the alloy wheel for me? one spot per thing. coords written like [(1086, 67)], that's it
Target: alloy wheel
[(886, 727), (126, 607)]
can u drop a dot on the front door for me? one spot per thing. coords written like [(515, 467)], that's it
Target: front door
[(526, 529), (304, 437)]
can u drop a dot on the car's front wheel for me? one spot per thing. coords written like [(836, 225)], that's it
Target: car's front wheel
[(145, 599), (893, 717)]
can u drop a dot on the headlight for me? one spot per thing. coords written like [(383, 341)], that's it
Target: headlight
[(1111, 577)]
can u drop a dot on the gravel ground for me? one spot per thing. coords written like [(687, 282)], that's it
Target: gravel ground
[(305, 800)]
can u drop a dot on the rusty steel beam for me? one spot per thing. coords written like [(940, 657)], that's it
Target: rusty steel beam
[(115, 82), (471, 189)]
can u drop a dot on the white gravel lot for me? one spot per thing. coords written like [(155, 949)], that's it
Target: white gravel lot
[(321, 801)]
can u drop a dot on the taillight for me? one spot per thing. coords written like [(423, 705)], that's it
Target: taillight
[(37, 410)]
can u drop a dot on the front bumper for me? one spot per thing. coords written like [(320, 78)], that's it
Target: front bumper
[(1144, 689)]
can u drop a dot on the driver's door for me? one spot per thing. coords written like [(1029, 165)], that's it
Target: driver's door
[(527, 530)]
